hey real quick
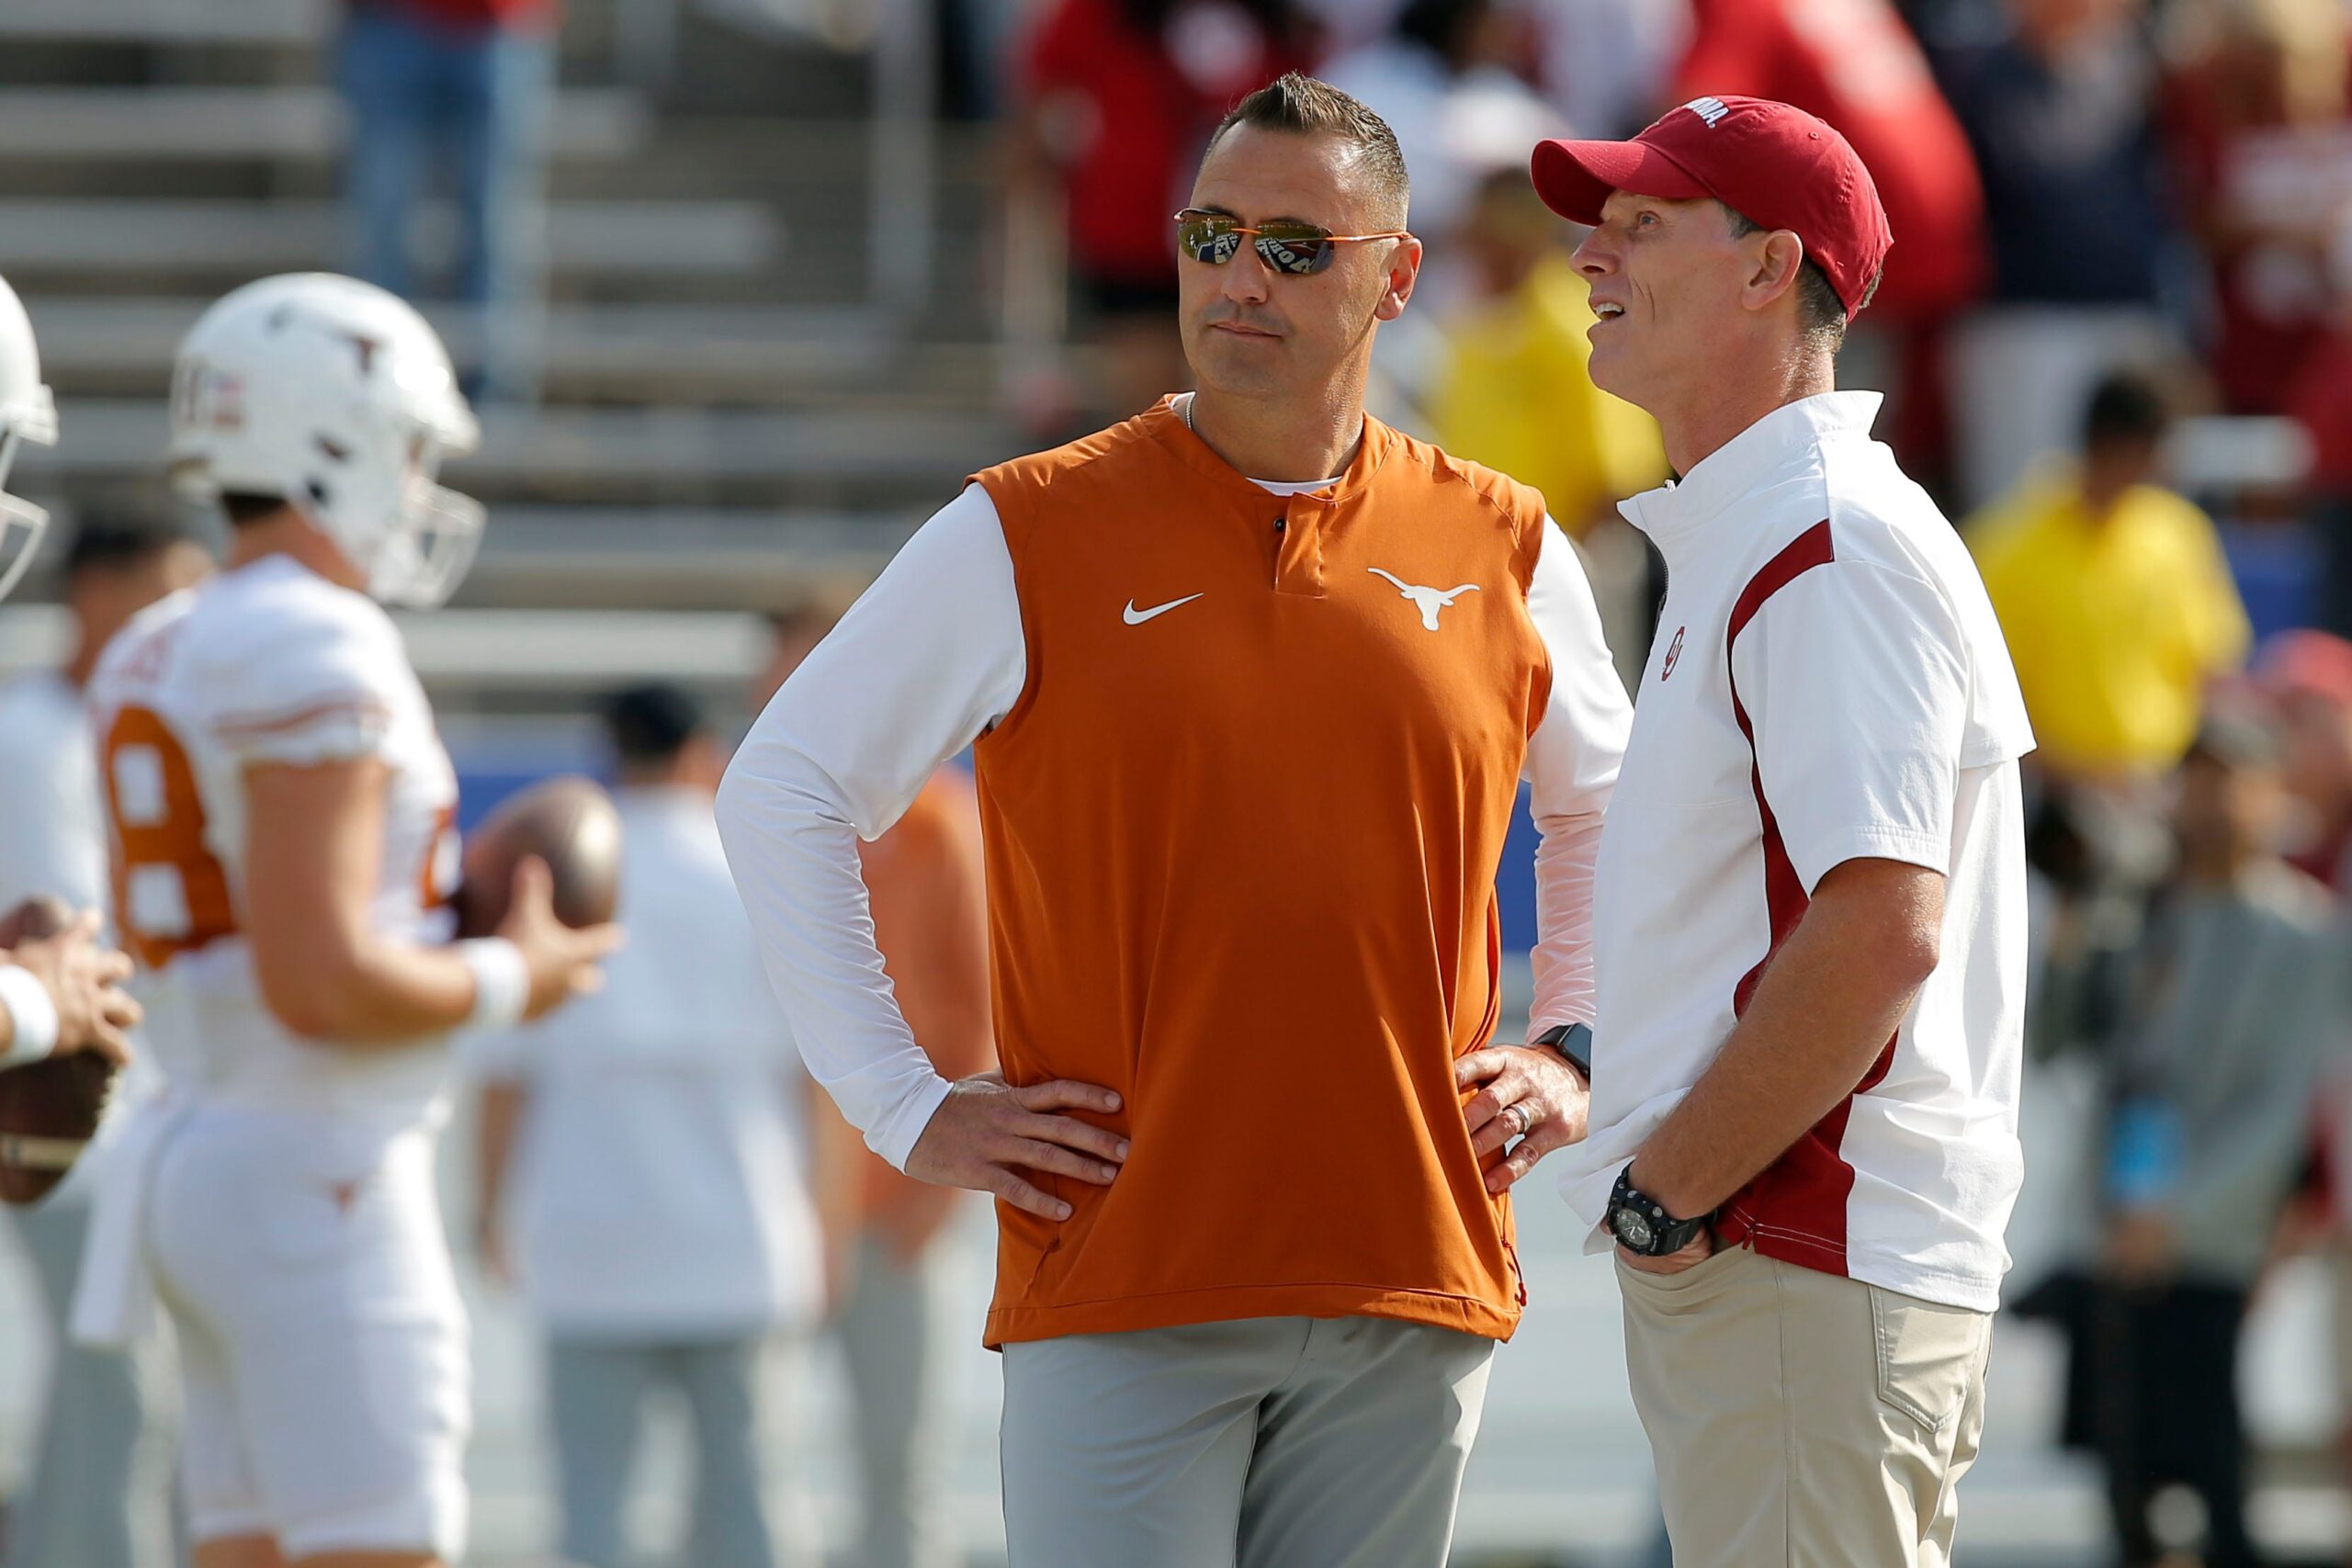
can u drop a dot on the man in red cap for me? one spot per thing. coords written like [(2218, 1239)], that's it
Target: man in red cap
[(2308, 677), (1810, 902)]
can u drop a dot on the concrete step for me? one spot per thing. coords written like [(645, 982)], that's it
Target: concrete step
[(231, 241), (528, 654), (553, 557), (662, 352), (679, 557), (292, 123), (169, 22), (859, 458)]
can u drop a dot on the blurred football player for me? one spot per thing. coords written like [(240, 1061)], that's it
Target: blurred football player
[(281, 811), (28, 414), (646, 1151), (925, 886), (97, 1492), (61, 993)]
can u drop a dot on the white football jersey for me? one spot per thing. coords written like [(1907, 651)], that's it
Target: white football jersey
[(269, 663)]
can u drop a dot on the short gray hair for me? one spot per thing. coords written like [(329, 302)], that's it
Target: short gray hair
[(1820, 312), (1303, 106)]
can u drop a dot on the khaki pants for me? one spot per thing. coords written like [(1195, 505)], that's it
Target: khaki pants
[(1802, 1420), (1271, 1442)]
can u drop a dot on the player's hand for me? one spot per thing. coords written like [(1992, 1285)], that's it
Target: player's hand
[(85, 980), (986, 1133), (564, 963), (1702, 1246), (1528, 1094)]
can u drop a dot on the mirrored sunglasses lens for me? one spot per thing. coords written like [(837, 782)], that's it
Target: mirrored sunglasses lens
[(1295, 251), (1209, 239)]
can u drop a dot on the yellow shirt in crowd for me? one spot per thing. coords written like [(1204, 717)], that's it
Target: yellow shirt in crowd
[(2115, 625), (1516, 397)]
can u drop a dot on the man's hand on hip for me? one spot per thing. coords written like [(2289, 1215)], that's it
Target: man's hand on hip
[(987, 1132), (1530, 1094)]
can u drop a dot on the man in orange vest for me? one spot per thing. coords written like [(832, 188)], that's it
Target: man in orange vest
[(1250, 682)]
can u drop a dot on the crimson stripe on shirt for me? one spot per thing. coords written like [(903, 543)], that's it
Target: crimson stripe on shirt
[(1795, 1210)]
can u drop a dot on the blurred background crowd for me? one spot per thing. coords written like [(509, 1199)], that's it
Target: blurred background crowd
[(744, 288)]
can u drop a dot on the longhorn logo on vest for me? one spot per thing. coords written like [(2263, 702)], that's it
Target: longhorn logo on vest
[(1673, 653), (1428, 601), (1712, 111)]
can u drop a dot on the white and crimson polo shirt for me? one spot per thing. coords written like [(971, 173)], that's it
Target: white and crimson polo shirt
[(1827, 683)]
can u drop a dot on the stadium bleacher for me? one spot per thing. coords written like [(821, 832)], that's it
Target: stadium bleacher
[(731, 408)]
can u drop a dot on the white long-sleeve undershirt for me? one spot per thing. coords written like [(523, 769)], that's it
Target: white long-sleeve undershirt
[(929, 660)]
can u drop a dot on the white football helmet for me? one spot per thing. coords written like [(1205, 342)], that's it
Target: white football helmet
[(336, 396), (26, 413)]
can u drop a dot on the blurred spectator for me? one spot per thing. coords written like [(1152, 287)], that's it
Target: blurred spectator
[(460, 88), (2058, 104), (2307, 675), (2266, 151), (644, 1150), (924, 880), (2319, 396), (100, 1484), (1425, 77), (1515, 394), (1512, 392), (2235, 999), (1855, 65), (1116, 101), (1605, 63), (2113, 594), (1440, 82)]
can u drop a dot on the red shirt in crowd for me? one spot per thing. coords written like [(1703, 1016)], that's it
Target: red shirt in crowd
[(2262, 186), (1126, 104), (471, 15), (1855, 65), (2318, 391)]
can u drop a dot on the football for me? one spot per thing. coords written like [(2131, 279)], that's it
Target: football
[(568, 822), (50, 1110)]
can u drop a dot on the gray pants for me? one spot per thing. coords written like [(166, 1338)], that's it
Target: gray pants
[(1275, 1442), (597, 1392), (99, 1495), (889, 1337)]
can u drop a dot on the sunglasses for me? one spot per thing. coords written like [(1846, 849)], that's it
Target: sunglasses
[(1300, 249)]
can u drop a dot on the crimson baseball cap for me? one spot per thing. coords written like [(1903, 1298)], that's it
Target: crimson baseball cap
[(1770, 162), (2310, 662)]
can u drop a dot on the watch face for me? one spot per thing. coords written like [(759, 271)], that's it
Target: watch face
[(1633, 1230)]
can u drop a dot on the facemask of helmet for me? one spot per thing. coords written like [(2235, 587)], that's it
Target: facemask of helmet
[(28, 414)]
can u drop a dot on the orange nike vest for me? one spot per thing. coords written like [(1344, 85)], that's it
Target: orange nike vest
[(1241, 828)]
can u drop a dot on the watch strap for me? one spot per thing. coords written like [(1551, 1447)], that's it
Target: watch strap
[(1666, 1233), (1573, 1040)]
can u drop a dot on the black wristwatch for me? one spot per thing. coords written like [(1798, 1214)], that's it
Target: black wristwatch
[(1640, 1223), (1573, 1040)]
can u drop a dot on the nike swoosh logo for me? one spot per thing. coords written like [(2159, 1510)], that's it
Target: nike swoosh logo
[(1136, 618)]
